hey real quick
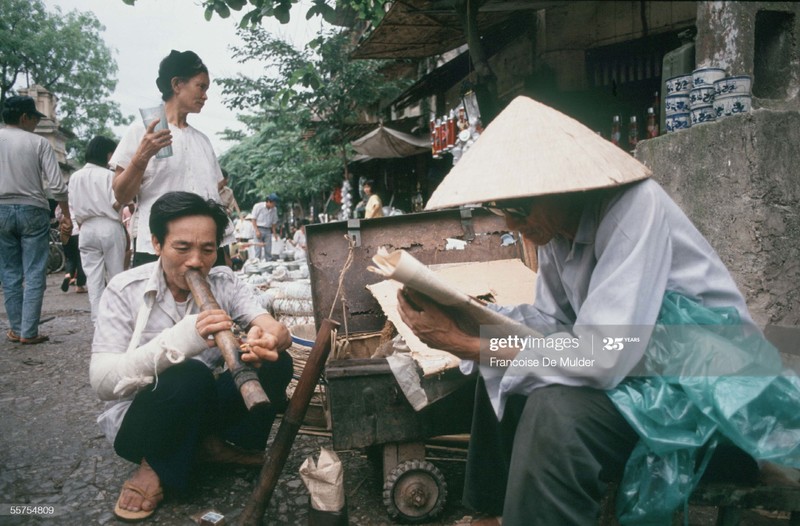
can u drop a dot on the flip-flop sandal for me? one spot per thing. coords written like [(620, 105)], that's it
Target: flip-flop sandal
[(34, 340), (136, 516), (12, 336), (65, 284)]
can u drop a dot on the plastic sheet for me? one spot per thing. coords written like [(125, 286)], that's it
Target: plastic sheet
[(706, 380)]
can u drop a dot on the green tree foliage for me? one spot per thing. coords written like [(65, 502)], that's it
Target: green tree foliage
[(66, 54), (275, 158), (305, 102), (341, 12)]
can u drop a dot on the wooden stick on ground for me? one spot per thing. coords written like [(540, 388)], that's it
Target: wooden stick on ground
[(279, 451), (244, 376)]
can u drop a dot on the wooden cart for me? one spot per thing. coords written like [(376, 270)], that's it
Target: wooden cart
[(365, 405)]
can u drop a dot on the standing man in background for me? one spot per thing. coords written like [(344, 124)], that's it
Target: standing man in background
[(265, 221), (227, 198), (27, 163), (103, 239)]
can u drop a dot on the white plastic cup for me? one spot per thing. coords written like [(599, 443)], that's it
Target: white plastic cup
[(151, 114)]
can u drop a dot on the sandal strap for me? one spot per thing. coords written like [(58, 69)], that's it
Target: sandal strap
[(146, 496)]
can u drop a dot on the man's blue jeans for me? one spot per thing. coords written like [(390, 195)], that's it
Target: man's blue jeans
[(24, 250), (265, 252)]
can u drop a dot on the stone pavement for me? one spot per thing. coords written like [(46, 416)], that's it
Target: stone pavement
[(53, 453)]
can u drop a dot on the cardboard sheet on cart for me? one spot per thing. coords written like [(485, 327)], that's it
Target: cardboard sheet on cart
[(506, 282)]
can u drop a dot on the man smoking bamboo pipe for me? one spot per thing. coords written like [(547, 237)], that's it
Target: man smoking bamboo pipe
[(154, 360)]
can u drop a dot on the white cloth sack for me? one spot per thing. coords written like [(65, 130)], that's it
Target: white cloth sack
[(324, 481)]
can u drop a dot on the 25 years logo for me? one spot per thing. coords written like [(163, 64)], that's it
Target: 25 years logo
[(617, 344), (613, 344)]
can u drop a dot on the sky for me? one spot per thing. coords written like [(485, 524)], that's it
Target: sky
[(141, 35)]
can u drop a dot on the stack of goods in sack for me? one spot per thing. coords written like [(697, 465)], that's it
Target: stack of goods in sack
[(292, 302), (282, 288)]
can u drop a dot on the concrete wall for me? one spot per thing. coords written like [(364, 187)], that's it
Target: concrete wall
[(727, 37), (739, 181)]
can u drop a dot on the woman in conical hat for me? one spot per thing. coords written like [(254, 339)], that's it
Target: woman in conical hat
[(611, 244)]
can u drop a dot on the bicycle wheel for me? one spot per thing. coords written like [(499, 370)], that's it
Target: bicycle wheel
[(55, 259)]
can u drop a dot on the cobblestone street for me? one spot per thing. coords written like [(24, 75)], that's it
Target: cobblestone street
[(53, 453)]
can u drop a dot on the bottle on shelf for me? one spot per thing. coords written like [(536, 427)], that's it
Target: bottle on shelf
[(656, 106), (633, 133), (437, 139), (652, 123), (434, 136), (616, 133), (417, 202), (451, 130)]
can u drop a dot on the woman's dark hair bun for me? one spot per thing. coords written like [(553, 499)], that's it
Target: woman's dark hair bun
[(181, 64)]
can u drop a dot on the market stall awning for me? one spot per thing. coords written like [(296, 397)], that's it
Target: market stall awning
[(455, 70), (386, 143), (422, 28)]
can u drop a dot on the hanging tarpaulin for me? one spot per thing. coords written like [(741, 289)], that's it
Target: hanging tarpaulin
[(386, 143)]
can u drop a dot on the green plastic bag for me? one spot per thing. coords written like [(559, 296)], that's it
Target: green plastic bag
[(706, 380)]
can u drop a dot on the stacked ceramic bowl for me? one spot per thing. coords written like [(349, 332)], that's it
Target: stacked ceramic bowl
[(702, 95), (676, 103), (732, 96)]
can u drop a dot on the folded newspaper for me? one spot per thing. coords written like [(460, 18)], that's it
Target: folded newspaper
[(408, 270)]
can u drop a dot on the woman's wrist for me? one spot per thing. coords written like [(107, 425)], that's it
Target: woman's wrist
[(139, 163)]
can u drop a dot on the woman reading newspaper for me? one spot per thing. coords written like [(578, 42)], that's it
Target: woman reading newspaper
[(641, 305)]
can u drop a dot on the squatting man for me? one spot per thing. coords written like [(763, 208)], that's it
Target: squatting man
[(170, 406)]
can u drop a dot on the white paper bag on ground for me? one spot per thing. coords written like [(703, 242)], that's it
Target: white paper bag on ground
[(324, 481)]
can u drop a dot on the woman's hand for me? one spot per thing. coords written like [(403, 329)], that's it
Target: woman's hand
[(261, 346), (434, 327), (210, 322), (152, 142)]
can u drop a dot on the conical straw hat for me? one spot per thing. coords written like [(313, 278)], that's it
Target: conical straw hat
[(531, 149)]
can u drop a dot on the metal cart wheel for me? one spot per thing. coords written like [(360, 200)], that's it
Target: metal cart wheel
[(414, 492), (55, 259)]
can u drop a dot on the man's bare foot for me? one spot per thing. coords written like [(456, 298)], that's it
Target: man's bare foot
[(140, 494)]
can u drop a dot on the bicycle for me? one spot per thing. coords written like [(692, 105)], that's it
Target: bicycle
[(55, 258)]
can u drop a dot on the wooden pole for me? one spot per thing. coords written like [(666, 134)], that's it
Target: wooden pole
[(244, 376), (253, 513)]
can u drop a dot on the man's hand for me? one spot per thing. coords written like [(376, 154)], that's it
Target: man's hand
[(210, 322), (434, 327), (261, 346), (65, 229)]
